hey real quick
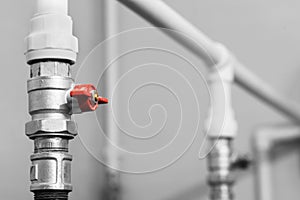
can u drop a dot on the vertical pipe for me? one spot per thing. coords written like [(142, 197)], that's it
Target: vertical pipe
[(51, 49), (221, 128), (263, 175), (111, 25)]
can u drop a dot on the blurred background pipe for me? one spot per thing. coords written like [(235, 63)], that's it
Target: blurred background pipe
[(111, 25), (161, 15), (221, 128), (264, 141)]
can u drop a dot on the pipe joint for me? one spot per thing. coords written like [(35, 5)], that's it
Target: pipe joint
[(50, 35), (223, 70), (221, 120)]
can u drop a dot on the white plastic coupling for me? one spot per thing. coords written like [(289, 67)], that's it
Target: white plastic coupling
[(50, 35), (221, 120)]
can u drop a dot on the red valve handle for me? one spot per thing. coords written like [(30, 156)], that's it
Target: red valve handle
[(87, 97), (102, 100)]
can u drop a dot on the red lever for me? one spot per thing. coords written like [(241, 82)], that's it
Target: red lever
[(87, 97), (102, 100)]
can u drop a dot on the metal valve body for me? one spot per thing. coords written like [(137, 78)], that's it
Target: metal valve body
[(220, 177), (51, 129), (52, 99)]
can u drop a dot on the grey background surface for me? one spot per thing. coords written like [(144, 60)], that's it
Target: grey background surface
[(263, 34)]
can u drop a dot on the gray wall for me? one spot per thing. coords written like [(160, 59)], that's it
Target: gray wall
[(263, 34)]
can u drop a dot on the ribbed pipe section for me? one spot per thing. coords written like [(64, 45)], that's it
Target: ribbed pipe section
[(51, 195), (220, 177)]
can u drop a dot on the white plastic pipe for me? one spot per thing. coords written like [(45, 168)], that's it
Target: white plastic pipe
[(50, 35), (111, 25), (51, 6), (161, 15), (264, 141), (221, 123), (221, 120), (111, 28)]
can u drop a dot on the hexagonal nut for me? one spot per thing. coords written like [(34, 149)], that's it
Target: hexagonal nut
[(50, 69), (66, 128)]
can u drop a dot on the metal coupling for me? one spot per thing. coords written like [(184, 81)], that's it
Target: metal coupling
[(51, 128), (220, 177)]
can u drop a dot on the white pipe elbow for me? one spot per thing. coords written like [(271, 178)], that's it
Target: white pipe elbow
[(221, 120), (224, 69)]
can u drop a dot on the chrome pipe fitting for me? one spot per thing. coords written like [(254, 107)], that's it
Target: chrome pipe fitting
[(53, 98), (51, 128), (220, 177)]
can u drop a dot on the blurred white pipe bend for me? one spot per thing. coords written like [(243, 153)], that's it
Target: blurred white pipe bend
[(181, 30)]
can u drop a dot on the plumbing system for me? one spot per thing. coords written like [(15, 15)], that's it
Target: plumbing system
[(51, 50)]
